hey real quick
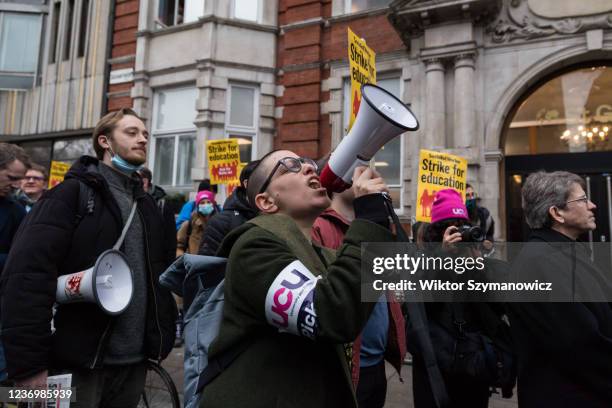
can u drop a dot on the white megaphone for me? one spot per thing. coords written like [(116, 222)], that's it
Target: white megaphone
[(381, 118), (108, 283)]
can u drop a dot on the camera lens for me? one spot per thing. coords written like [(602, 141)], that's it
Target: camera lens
[(471, 234)]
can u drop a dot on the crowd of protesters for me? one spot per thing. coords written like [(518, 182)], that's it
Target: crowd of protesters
[(280, 229)]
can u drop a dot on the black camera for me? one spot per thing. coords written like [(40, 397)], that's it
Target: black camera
[(470, 233)]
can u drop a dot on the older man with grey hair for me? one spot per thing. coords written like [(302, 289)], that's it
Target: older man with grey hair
[(564, 349)]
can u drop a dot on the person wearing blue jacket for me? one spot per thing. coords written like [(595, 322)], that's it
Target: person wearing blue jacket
[(189, 206)]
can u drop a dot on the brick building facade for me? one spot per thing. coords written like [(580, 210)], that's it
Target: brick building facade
[(310, 40), (123, 54)]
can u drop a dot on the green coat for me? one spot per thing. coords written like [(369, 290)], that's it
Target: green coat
[(280, 369)]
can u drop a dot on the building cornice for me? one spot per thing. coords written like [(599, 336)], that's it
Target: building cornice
[(411, 17), (317, 21)]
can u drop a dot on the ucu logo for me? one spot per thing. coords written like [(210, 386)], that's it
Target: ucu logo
[(283, 296), (458, 211)]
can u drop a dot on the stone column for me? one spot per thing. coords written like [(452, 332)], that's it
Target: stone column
[(465, 118), (435, 114)]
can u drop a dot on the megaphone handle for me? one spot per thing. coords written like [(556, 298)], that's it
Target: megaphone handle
[(125, 228), (348, 176)]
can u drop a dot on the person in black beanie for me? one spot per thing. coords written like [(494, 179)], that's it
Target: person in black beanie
[(236, 212)]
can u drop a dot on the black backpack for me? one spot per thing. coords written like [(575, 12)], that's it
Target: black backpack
[(483, 352)]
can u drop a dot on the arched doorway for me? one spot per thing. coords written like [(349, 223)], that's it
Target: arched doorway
[(563, 123)]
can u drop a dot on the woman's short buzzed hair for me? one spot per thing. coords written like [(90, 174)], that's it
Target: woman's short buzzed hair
[(542, 191), (257, 178)]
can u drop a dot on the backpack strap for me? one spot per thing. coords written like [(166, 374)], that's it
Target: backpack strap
[(418, 318), (86, 202)]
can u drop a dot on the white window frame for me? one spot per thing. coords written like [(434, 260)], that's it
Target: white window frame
[(259, 11), (246, 131), (346, 83), (348, 4), (165, 134)]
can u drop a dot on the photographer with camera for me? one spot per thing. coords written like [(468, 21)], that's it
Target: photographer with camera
[(471, 354)]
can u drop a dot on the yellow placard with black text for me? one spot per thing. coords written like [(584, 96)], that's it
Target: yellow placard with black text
[(57, 173), (362, 65), (438, 171), (223, 157)]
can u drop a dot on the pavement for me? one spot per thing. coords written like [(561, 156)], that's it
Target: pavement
[(399, 394)]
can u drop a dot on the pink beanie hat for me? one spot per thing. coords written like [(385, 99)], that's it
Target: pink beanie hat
[(448, 204), (205, 194)]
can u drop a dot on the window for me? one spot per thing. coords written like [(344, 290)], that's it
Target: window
[(83, 27), (242, 119), (68, 38), (39, 151), (388, 161), (57, 9), (174, 12), (69, 150), (246, 9), (174, 139), (570, 113), (64, 150), (353, 6), (19, 48)]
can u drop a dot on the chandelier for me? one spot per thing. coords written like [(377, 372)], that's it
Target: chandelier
[(590, 135)]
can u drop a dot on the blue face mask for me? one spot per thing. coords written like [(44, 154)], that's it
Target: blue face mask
[(206, 209), (121, 164)]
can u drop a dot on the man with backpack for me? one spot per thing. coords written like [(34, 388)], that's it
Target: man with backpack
[(290, 306), (65, 233)]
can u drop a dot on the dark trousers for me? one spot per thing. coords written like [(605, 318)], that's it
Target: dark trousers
[(462, 392), (372, 386), (108, 387)]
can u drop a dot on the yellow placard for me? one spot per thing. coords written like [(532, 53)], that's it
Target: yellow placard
[(223, 156), (438, 171), (362, 64), (57, 173)]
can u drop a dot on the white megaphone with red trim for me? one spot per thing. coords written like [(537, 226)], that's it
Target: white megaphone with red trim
[(108, 283), (381, 118)]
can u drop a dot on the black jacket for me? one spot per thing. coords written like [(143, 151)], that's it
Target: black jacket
[(54, 240), (236, 212), (11, 215), (564, 349)]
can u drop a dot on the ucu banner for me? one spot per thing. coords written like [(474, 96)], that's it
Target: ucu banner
[(290, 301)]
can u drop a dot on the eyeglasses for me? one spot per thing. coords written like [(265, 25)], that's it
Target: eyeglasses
[(583, 199), (34, 178), (292, 164)]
